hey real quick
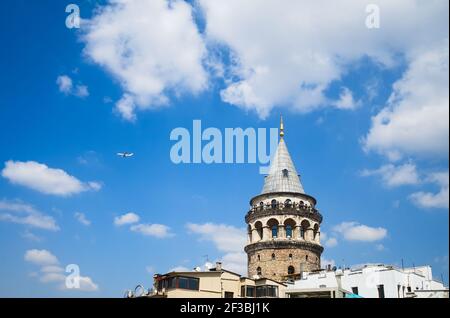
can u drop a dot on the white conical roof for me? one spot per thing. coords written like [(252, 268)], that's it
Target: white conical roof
[(282, 175)]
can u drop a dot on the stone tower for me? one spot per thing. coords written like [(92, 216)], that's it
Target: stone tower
[(283, 223)]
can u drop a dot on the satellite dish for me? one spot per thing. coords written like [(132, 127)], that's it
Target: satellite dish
[(139, 291), (128, 294), (208, 266)]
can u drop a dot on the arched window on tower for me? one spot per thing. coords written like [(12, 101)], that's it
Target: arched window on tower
[(273, 225), (288, 203), (304, 226), (273, 256), (288, 231), (258, 271), (291, 270), (274, 204), (290, 257), (289, 226), (259, 230), (259, 257)]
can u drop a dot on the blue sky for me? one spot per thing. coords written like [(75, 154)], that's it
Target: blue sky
[(365, 112)]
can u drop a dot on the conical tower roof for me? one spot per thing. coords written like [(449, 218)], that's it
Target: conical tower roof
[(282, 175)]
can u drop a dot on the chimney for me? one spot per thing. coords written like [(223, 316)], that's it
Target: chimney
[(218, 266)]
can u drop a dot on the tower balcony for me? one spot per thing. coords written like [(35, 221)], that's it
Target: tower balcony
[(280, 208)]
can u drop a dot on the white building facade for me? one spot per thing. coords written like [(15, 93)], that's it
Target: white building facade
[(372, 281)]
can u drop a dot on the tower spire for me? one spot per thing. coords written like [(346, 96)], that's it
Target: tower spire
[(281, 127)]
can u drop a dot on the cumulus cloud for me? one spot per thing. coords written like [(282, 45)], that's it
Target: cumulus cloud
[(40, 257), (416, 119), (287, 55), (40, 177), (81, 217), (65, 86), (227, 239), (52, 273), (353, 231), (138, 42), (22, 213), (331, 242), (127, 218), (155, 230), (394, 176), (434, 200)]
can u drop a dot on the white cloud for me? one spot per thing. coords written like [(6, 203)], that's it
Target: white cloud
[(65, 85), (346, 100), (52, 273), (353, 231), (86, 284), (139, 42), (155, 230), (331, 242), (128, 218), (434, 200), (416, 119), (22, 213), (40, 177), (394, 176), (226, 238), (81, 217), (235, 262), (40, 257), (288, 55)]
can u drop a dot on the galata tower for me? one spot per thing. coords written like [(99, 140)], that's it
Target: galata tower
[(283, 223)]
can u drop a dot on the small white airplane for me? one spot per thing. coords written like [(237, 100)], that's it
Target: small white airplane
[(125, 154)]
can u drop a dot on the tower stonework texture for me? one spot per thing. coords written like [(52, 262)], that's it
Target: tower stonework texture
[(283, 224)]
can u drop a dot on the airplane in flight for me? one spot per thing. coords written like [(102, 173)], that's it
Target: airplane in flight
[(125, 154)]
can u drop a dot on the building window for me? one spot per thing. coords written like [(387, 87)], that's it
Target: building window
[(291, 270), (306, 257), (285, 173), (288, 203), (290, 257), (273, 256), (355, 290), (250, 291), (258, 271), (259, 257), (228, 294), (380, 291), (274, 203), (302, 233), (274, 230), (288, 231), (188, 283), (266, 291)]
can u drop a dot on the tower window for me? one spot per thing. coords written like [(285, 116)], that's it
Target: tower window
[(288, 231), (273, 256), (275, 231), (259, 257), (290, 257), (274, 203), (291, 270), (285, 173), (288, 203), (306, 257), (302, 233), (258, 271)]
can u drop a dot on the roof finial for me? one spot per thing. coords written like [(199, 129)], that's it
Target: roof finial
[(281, 127)]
